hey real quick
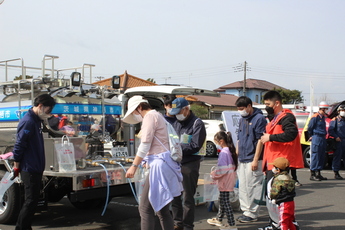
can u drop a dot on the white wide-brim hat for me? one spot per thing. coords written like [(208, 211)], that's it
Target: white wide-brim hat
[(133, 103)]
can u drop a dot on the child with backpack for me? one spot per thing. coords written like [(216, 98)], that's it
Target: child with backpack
[(225, 175), (282, 193)]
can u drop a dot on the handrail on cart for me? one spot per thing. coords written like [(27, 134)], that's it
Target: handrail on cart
[(10, 60)]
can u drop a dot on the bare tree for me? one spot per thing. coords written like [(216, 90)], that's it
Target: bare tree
[(327, 99)]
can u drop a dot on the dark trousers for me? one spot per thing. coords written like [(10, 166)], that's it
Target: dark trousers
[(147, 213), (294, 174), (183, 207), (32, 186), (339, 154)]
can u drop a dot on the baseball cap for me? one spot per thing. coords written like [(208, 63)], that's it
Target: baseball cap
[(177, 105), (133, 103), (281, 163)]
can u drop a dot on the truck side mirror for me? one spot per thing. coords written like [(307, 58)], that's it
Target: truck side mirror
[(116, 82), (75, 79)]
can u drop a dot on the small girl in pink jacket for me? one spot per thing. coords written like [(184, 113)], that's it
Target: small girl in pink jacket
[(225, 175)]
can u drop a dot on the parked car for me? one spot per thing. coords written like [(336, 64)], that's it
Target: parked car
[(212, 127)]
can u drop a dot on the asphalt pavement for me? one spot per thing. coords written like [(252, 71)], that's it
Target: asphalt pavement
[(319, 206)]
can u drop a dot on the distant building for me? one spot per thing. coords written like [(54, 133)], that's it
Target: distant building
[(126, 81), (215, 105), (255, 89)]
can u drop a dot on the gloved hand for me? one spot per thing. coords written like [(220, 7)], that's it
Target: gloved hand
[(15, 172)]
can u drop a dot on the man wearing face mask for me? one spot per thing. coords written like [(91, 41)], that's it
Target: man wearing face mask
[(168, 99), (337, 130), (249, 147), (317, 131), (281, 138), (29, 156), (192, 134)]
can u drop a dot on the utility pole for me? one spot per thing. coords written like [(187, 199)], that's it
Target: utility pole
[(245, 78), (166, 78), (243, 68)]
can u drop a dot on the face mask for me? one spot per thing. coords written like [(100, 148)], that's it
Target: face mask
[(269, 110), (274, 170), (137, 117), (180, 117), (342, 113), (42, 115), (219, 147), (270, 116), (243, 113), (169, 110)]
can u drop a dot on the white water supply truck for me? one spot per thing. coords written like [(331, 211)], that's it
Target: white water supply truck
[(95, 114)]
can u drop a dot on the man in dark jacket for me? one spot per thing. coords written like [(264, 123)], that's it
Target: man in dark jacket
[(317, 132), (29, 156), (337, 131), (192, 134), (251, 128)]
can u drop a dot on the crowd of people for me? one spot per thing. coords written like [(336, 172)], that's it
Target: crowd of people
[(83, 126), (264, 151)]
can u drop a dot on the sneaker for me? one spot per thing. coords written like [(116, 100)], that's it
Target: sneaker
[(227, 227), (214, 221), (296, 225), (247, 219), (268, 227), (297, 184), (314, 178), (240, 217)]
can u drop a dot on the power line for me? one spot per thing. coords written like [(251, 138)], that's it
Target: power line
[(224, 70)]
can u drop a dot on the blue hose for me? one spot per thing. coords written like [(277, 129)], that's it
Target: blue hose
[(107, 200), (130, 183)]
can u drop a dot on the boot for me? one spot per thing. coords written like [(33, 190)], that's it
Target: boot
[(337, 175), (313, 176), (318, 175)]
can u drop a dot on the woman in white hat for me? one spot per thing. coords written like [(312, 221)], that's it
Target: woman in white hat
[(165, 179)]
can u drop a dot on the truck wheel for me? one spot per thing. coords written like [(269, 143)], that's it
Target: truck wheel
[(10, 204), (307, 156), (211, 150)]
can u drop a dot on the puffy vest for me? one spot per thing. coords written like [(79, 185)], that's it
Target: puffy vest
[(290, 150)]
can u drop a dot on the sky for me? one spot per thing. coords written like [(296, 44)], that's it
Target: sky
[(291, 43)]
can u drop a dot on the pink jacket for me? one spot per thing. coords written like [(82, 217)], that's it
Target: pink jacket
[(225, 173)]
